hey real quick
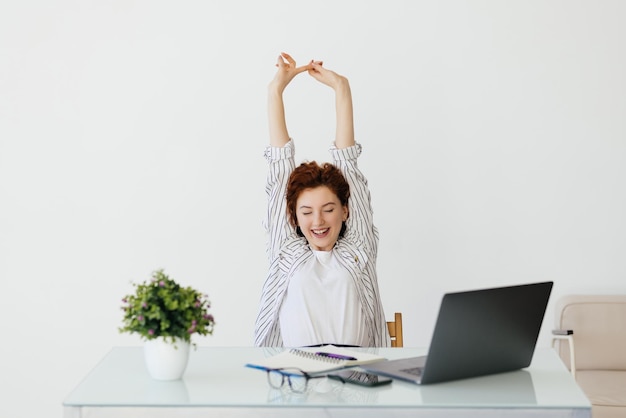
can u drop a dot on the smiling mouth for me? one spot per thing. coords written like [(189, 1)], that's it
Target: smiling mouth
[(320, 233)]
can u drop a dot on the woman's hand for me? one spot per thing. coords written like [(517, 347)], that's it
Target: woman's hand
[(287, 70), (324, 76)]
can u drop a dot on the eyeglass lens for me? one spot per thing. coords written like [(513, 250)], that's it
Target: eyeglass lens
[(296, 380)]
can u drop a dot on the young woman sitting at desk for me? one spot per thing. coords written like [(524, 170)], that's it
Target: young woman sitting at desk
[(321, 287)]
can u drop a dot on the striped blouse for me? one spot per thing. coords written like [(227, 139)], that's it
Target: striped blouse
[(286, 251)]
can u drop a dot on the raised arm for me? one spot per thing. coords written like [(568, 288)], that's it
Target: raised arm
[(287, 70), (344, 135)]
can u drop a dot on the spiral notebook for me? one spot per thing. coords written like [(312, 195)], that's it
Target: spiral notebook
[(316, 359)]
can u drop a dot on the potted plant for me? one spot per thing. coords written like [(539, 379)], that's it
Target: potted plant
[(166, 315)]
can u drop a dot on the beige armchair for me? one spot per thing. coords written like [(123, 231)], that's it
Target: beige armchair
[(590, 337)]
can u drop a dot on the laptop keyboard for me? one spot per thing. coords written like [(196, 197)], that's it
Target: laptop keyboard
[(416, 371)]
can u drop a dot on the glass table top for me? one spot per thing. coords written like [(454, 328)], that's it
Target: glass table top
[(217, 377)]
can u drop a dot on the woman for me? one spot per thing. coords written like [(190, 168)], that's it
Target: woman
[(321, 287)]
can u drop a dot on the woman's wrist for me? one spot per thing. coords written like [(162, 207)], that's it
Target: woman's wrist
[(275, 89), (342, 89), (342, 86)]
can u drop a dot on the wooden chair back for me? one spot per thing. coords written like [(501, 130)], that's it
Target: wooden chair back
[(395, 330)]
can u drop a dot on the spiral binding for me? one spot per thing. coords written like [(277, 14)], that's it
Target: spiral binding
[(315, 356)]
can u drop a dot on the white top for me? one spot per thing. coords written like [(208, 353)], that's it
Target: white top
[(321, 305)]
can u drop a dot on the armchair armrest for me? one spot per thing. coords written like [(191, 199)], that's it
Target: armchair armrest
[(566, 334)]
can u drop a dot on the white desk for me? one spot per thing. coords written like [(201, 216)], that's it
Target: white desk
[(216, 384)]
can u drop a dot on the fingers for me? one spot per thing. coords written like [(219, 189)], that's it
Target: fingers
[(285, 60), (317, 66), (287, 64), (302, 69), (316, 70), (288, 58)]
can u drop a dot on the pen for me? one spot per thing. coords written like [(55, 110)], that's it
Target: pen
[(337, 356)]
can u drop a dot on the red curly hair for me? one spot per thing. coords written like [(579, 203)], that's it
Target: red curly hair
[(310, 175)]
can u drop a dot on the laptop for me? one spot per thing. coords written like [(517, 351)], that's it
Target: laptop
[(477, 333)]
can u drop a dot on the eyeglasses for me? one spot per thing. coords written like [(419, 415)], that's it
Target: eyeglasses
[(297, 379)]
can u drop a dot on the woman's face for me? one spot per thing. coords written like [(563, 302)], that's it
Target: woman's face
[(320, 216)]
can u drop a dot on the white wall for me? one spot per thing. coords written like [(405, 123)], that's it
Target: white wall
[(131, 138)]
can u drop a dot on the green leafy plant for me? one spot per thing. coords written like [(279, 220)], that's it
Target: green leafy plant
[(161, 307)]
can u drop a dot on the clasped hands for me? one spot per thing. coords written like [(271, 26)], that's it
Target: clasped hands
[(287, 70)]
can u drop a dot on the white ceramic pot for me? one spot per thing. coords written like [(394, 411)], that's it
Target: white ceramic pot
[(164, 360)]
